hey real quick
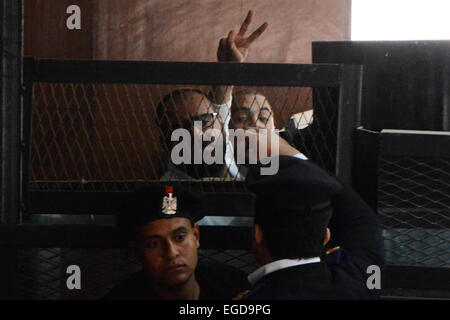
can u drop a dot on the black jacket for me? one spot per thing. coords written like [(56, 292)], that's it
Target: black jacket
[(217, 282), (341, 274)]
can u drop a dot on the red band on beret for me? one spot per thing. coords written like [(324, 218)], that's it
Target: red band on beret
[(169, 189)]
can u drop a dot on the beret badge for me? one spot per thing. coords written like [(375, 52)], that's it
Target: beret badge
[(169, 203)]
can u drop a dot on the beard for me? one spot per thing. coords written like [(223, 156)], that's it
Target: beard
[(203, 170)]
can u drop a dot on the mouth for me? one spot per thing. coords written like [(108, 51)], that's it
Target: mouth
[(176, 268)]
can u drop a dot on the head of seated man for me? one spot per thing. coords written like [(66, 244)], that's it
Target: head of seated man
[(191, 110), (251, 109), (180, 108), (159, 225)]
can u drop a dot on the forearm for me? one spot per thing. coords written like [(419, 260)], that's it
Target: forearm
[(222, 94)]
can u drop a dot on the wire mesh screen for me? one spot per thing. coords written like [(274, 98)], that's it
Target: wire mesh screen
[(42, 272), (115, 133), (414, 206)]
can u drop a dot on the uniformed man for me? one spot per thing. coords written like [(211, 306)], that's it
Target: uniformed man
[(297, 210), (159, 224)]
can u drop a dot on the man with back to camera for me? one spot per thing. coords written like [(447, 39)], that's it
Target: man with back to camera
[(159, 224), (297, 210)]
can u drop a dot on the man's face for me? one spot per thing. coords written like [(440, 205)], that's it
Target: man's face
[(193, 106), (167, 249), (250, 110)]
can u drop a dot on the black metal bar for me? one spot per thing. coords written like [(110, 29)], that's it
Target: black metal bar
[(8, 273), (11, 51), (365, 165), (446, 95), (195, 73), (64, 236), (91, 236), (26, 131), (235, 204), (410, 143), (349, 119), (403, 80), (127, 185), (424, 278), (10, 70)]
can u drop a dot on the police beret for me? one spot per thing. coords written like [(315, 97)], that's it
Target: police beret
[(159, 202), (299, 188)]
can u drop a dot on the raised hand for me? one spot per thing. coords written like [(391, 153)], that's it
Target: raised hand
[(234, 48)]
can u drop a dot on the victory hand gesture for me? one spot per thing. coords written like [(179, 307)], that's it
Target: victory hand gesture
[(235, 47)]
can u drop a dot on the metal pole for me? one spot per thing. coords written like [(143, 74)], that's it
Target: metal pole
[(10, 133), (348, 119), (10, 120)]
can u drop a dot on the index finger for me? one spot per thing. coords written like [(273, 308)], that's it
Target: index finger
[(255, 35), (246, 23)]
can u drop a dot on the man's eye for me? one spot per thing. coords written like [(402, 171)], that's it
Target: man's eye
[(152, 244), (264, 119), (242, 119), (180, 237)]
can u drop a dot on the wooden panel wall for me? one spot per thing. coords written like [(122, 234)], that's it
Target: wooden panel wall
[(46, 35), (62, 146), (181, 30)]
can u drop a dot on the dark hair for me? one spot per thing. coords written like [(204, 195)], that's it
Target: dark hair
[(164, 122), (247, 91), (176, 94), (295, 236)]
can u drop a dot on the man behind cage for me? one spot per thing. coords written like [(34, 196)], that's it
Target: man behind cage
[(182, 108)]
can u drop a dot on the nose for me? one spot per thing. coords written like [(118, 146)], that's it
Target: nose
[(172, 250), (260, 124)]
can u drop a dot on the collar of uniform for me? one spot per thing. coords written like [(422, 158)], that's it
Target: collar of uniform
[(278, 265), (300, 156)]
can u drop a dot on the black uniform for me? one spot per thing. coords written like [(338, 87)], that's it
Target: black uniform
[(342, 273), (216, 281), (167, 202)]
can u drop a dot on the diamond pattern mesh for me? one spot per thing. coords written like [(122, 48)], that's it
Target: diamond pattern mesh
[(413, 203), (114, 137), (84, 133), (42, 271)]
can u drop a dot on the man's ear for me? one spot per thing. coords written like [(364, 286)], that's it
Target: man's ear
[(327, 236), (258, 235), (196, 231)]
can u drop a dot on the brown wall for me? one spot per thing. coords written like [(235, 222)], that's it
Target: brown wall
[(46, 35), (181, 30), (61, 146), (108, 132)]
